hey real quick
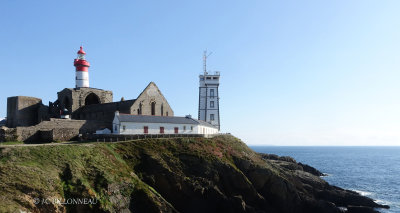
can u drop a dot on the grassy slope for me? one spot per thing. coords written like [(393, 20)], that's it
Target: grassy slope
[(188, 174), (78, 171)]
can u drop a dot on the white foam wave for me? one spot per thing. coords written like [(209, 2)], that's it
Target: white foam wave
[(383, 202), (363, 193)]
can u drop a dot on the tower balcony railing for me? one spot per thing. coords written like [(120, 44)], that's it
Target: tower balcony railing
[(211, 73)]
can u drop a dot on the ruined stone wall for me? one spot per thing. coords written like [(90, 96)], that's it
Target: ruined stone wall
[(73, 99), (151, 95), (22, 111), (7, 134), (103, 112), (58, 130)]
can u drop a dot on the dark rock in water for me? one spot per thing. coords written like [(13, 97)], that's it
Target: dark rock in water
[(360, 209), (311, 170)]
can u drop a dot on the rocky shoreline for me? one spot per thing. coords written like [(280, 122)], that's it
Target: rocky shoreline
[(346, 200), (192, 175)]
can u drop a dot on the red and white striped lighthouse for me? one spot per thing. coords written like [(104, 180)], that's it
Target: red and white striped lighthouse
[(82, 70)]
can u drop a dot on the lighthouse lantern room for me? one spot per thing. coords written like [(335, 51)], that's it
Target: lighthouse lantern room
[(82, 70)]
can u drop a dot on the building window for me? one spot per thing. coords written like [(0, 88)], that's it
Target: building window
[(162, 109), (184, 128), (211, 104), (153, 108), (167, 113), (176, 130), (124, 127), (145, 129), (116, 128), (211, 117), (140, 109), (191, 128), (161, 130), (212, 93)]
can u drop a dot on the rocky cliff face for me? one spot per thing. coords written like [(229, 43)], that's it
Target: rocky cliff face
[(165, 175)]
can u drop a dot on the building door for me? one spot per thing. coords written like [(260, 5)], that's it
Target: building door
[(176, 130), (146, 130), (161, 130)]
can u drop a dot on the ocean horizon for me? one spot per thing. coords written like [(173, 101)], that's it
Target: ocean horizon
[(372, 171)]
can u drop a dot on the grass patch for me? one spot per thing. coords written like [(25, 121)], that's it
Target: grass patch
[(11, 143)]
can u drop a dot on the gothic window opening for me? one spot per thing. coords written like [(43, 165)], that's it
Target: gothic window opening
[(67, 104), (162, 109), (140, 109), (153, 108)]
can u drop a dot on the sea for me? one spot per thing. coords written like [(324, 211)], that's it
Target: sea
[(372, 171)]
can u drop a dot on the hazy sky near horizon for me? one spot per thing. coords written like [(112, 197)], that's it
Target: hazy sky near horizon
[(292, 72)]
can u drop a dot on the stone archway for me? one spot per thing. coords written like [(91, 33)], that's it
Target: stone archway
[(92, 99)]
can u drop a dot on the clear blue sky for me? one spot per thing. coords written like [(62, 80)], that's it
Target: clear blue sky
[(293, 72)]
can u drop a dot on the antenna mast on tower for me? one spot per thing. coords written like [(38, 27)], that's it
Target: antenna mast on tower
[(205, 56)]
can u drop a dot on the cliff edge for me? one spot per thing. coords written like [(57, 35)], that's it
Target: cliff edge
[(165, 175)]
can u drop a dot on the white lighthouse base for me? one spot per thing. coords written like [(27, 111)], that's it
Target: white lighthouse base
[(82, 79)]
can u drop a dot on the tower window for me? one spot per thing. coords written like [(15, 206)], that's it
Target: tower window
[(212, 93), (211, 117), (211, 104)]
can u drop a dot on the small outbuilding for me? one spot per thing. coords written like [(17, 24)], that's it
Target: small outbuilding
[(143, 124), (103, 131)]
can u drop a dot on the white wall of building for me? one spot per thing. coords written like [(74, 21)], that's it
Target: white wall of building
[(131, 128)]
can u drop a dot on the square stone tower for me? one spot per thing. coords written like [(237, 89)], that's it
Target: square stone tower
[(209, 97)]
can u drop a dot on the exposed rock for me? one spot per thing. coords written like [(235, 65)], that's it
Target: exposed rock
[(168, 175), (360, 209), (290, 163)]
